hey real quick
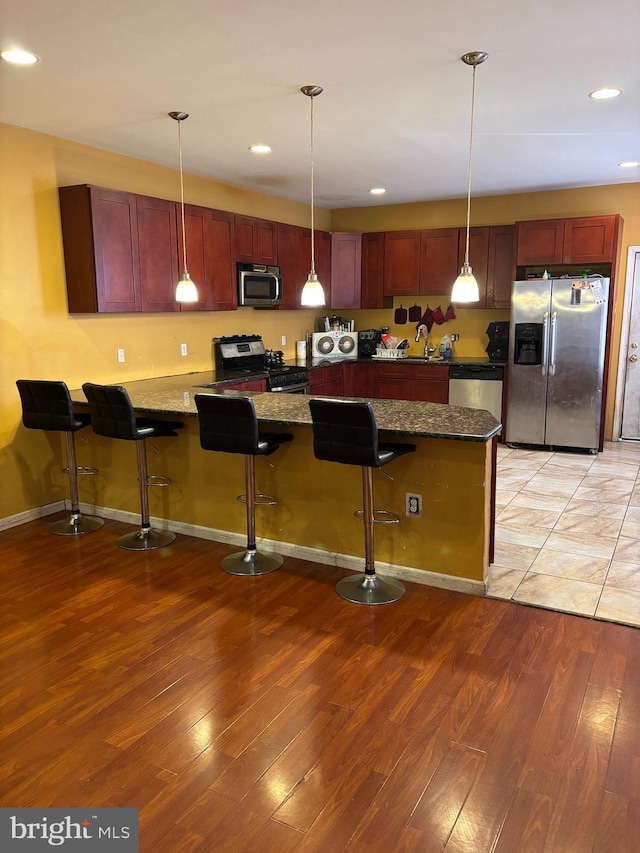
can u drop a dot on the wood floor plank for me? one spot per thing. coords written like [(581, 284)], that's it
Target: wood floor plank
[(268, 714)]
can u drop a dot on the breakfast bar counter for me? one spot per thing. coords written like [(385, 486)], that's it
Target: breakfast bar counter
[(446, 543)]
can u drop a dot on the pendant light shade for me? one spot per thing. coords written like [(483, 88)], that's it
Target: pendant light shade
[(312, 292), (186, 290), (465, 287)]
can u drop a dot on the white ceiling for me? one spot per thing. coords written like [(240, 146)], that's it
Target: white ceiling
[(396, 103)]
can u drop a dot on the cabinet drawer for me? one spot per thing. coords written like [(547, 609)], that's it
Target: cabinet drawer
[(412, 371)]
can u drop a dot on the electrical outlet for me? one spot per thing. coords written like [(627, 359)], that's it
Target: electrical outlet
[(283, 340), (455, 337), (414, 505), (120, 355), (183, 349)]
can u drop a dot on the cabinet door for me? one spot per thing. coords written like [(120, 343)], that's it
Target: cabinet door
[(540, 242), (323, 260), (589, 240), (478, 260), (289, 256), (245, 227), (100, 237), (266, 242), (372, 279), (345, 270), (502, 261), (438, 260), (158, 246), (388, 388), (430, 390), (196, 221), (221, 255), (256, 240), (326, 381), (401, 263), (358, 379)]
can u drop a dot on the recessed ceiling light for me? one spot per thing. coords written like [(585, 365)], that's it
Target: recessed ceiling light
[(260, 149), (19, 57), (377, 191), (605, 93), (629, 164)]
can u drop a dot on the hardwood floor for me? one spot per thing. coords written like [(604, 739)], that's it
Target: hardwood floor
[(269, 715)]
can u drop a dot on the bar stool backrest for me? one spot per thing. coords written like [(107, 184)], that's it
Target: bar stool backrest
[(345, 431), (228, 424), (47, 405), (111, 411)]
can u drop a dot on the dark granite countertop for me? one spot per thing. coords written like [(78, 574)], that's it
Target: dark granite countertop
[(174, 396)]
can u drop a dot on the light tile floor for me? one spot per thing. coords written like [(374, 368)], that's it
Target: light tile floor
[(568, 531)]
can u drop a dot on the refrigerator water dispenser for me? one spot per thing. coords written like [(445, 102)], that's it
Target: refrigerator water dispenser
[(528, 343)]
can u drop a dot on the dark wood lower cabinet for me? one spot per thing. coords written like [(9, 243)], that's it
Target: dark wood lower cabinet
[(428, 383), (327, 381)]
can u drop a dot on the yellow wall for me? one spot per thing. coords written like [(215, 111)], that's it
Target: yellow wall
[(39, 339)]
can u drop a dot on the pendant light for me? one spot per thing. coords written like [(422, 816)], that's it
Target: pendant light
[(185, 289), (312, 292), (465, 287)]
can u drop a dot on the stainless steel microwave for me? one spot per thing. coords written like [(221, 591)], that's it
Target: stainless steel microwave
[(259, 285)]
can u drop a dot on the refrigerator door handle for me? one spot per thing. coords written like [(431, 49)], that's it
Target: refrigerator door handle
[(545, 343), (554, 334)]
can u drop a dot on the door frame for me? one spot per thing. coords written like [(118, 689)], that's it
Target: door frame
[(633, 261)]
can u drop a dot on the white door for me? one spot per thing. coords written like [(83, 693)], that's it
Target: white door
[(631, 389)]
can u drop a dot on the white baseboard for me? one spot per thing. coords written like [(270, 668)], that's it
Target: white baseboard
[(30, 515), (287, 549)]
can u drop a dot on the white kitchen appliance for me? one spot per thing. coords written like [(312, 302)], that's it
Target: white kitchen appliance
[(334, 345)]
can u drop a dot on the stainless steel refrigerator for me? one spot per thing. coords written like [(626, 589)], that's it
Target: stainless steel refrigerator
[(556, 362)]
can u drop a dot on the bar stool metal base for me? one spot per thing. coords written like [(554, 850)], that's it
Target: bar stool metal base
[(145, 540), (252, 562), (370, 589), (76, 525)]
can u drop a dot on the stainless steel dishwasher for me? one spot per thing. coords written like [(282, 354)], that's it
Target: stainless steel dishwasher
[(477, 386)]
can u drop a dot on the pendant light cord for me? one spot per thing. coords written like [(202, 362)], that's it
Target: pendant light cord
[(473, 101), (313, 254), (184, 233)]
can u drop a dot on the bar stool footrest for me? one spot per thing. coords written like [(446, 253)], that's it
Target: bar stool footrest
[(370, 589), (158, 480), (380, 516), (251, 562), (259, 500), (81, 470)]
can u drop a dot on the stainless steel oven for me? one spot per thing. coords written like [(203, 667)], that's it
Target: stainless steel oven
[(245, 356)]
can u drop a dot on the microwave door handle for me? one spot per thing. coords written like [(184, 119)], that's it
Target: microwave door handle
[(545, 343), (554, 338)]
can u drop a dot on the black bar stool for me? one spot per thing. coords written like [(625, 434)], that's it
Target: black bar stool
[(47, 405), (112, 415), (230, 425), (345, 431)]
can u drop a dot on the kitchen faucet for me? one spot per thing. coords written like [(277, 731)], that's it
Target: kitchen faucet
[(423, 333)]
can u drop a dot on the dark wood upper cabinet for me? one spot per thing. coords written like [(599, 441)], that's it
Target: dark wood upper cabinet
[(220, 254), (293, 275), (401, 263), (540, 242), (323, 260), (372, 281), (439, 260), (501, 269), (580, 240), (346, 270), (590, 239), (158, 246), (256, 240), (100, 237)]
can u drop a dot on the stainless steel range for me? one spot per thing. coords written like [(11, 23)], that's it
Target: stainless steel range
[(239, 356)]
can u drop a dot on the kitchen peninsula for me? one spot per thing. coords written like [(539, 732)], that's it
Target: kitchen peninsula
[(448, 544)]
